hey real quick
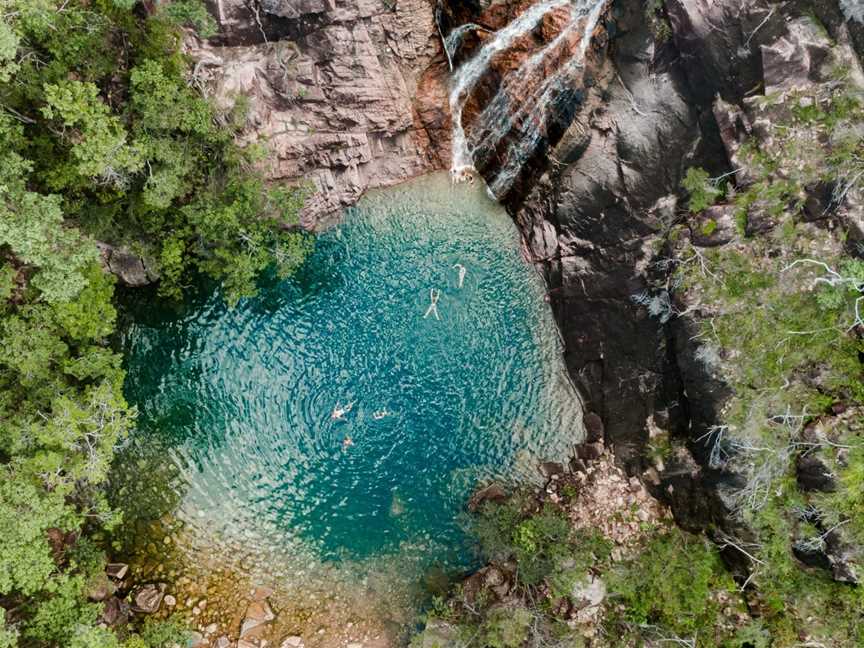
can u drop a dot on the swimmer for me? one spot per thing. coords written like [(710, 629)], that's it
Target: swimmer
[(347, 442), (380, 414), (462, 271), (339, 413), (434, 295)]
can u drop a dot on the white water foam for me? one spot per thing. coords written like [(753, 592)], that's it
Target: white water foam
[(519, 152), (454, 38), (471, 71), (498, 117)]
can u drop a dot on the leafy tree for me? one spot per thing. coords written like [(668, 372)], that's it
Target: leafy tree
[(98, 140), (673, 585), (101, 138), (8, 636)]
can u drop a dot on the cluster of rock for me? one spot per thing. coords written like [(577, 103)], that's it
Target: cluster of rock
[(597, 495), (110, 589), (122, 600)]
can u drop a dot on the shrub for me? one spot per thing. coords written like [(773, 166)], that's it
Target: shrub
[(703, 192), (506, 627), (538, 542), (672, 584)]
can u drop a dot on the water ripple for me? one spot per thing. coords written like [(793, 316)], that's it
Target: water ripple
[(243, 398)]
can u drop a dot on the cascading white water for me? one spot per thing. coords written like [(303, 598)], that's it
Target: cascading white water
[(499, 116), (470, 72), (454, 38), (518, 152)]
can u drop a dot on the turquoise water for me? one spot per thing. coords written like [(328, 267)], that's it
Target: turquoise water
[(243, 398)]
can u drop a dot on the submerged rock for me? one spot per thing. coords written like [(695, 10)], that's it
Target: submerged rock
[(258, 613)]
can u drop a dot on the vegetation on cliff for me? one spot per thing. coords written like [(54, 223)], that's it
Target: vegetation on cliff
[(553, 582), (780, 318), (101, 138), (761, 296), (779, 308)]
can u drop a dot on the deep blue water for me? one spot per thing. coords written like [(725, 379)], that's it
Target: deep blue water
[(244, 397)]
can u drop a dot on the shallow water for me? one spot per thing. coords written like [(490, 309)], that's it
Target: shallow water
[(240, 400)]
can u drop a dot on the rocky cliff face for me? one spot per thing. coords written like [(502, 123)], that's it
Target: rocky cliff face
[(345, 95), (598, 223), (590, 221), (353, 95)]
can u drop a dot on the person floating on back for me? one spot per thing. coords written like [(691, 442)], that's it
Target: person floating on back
[(462, 271), (340, 412), (434, 295)]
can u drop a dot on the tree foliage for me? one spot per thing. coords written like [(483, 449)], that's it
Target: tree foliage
[(702, 190), (101, 139)]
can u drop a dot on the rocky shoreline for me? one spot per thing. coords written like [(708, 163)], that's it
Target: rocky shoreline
[(602, 213)]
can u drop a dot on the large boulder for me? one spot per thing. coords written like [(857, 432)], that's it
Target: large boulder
[(719, 41), (115, 612), (147, 599), (131, 269), (493, 493)]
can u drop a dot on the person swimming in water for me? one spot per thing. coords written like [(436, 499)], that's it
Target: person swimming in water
[(339, 413), (380, 414), (434, 296), (347, 442), (462, 270)]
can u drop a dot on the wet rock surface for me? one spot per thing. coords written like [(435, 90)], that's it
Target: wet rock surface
[(588, 225)]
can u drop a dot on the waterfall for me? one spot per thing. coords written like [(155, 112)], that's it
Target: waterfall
[(454, 39), (500, 115), (470, 72)]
